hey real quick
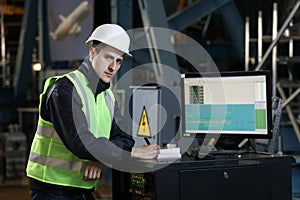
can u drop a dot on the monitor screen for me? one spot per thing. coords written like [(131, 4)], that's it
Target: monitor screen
[(230, 104)]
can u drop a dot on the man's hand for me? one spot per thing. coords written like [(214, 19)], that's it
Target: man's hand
[(92, 171), (145, 152)]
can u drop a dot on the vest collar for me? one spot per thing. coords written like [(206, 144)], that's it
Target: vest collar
[(96, 84)]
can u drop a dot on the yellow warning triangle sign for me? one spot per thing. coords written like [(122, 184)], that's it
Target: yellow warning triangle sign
[(144, 129)]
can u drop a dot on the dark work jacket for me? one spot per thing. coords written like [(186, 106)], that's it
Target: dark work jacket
[(57, 108)]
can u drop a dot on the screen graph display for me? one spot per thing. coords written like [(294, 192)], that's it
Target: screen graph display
[(232, 103)]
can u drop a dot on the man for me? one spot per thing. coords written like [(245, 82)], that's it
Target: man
[(79, 120)]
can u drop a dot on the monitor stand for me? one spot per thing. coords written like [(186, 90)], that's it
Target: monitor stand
[(209, 151)]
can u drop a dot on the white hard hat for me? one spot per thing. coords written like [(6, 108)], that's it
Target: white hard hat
[(112, 35)]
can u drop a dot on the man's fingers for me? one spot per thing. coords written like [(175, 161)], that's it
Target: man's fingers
[(98, 174), (92, 173), (146, 155), (86, 173), (95, 171)]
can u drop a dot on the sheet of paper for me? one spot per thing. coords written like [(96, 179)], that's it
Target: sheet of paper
[(169, 154)]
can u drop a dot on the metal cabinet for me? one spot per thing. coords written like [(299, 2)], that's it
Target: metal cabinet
[(252, 176)]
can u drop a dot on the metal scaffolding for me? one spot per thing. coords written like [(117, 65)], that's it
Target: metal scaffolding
[(274, 39), (3, 51)]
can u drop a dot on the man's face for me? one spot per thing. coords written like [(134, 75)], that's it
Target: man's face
[(106, 62)]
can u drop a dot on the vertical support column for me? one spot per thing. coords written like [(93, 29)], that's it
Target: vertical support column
[(23, 72), (247, 42), (274, 52), (147, 8), (291, 43), (44, 47), (291, 55), (231, 15), (3, 51), (260, 37), (122, 13)]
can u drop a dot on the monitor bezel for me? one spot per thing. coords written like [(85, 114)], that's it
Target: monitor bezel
[(264, 73)]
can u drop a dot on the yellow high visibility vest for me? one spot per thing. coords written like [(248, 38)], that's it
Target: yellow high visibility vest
[(49, 160)]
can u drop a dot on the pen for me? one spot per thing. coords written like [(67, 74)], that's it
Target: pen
[(147, 141)]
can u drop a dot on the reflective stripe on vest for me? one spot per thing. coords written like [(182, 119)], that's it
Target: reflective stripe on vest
[(103, 126), (47, 132), (57, 163), (50, 161)]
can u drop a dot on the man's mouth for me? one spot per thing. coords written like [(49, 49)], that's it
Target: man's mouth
[(109, 74)]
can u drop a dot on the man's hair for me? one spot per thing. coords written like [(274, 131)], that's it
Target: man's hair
[(98, 45)]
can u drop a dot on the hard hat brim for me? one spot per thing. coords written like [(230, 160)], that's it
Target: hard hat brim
[(89, 42)]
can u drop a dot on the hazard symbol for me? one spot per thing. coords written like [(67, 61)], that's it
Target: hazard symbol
[(144, 129)]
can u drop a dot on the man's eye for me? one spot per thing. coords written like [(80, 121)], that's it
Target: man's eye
[(119, 61)]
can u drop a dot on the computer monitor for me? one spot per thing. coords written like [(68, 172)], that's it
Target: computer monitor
[(227, 104)]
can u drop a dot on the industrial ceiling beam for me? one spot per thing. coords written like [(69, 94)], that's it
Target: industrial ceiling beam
[(232, 20)]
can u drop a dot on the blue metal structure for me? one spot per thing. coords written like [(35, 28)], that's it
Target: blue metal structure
[(231, 19), (23, 71), (34, 13)]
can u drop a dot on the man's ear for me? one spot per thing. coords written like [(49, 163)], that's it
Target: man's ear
[(91, 53)]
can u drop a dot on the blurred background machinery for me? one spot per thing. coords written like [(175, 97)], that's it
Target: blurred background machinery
[(237, 34), (13, 153)]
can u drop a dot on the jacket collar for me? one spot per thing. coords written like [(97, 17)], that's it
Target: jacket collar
[(96, 84)]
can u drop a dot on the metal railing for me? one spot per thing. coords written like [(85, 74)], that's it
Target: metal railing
[(276, 36)]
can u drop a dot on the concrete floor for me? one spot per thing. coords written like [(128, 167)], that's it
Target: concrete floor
[(22, 192), (14, 193), (19, 189)]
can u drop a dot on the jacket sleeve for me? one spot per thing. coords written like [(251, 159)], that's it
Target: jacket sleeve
[(120, 134), (65, 112)]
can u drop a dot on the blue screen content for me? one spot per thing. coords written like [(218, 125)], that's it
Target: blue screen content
[(220, 117)]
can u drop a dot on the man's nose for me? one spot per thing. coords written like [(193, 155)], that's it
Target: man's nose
[(112, 65)]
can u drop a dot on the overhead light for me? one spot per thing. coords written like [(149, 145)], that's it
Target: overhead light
[(37, 66)]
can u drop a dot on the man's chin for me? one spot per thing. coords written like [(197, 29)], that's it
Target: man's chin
[(106, 79)]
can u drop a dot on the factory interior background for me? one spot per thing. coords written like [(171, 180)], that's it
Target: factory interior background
[(236, 34)]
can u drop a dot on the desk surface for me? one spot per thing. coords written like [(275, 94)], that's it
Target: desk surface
[(220, 160)]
